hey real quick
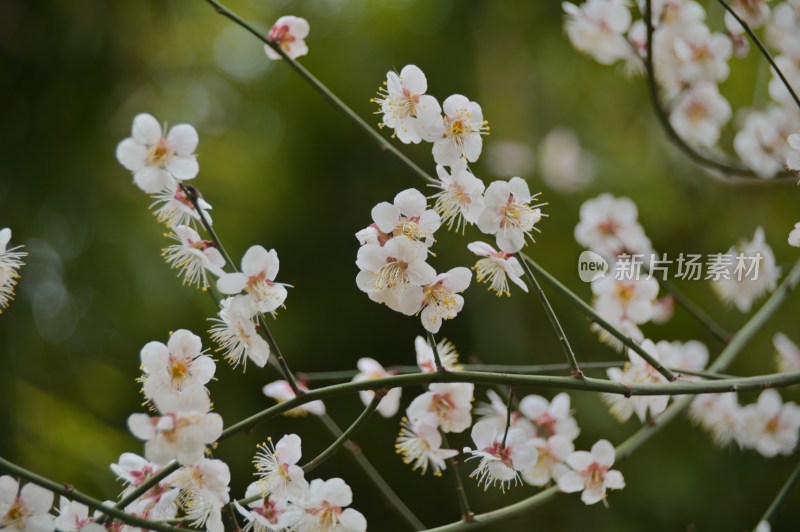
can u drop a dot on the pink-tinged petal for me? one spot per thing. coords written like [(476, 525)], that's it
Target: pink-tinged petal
[(593, 494), (614, 480), (410, 202), (484, 434), (414, 79), (183, 139), (580, 460), (231, 283), (570, 482), (131, 154), (385, 215), (146, 129), (603, 453), (183, 167), (151, 179), (299, 27)]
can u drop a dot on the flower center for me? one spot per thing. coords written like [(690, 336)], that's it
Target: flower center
[(159, 153), (517, 215), (438, 294), (393, 273), (595, 474), (16, 514), (178, 369)]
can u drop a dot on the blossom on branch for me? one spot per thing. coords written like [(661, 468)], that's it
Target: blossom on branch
[(289, 33), (509, 214), (591, 473), (401, 98)]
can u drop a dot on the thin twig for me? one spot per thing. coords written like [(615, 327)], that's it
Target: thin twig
[(509, 408), (143, 488), (455, 465), (699, 314), (437, 360), (787, 488)]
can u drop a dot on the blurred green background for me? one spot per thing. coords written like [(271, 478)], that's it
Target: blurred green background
[(285, 170)]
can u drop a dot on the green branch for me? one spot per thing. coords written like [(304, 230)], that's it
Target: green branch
[(787, 488)]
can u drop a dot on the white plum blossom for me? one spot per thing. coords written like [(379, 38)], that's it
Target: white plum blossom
[(591, 473), (10, 263), (550, 418), (157, 160), (25, 509), (769, 426), (173, 207), (751, 272), (563, 164), (193, 256), (664, 309), (550, 463), (457, 134), (445, 404), (608, 226), (782, 28), (441, 299), (257, 279), (160, 501), (277, 469), (717, 414), (447, 354), (236, 332), (326, 508), (289, 33), (790, 68), (625, 300), (420, 443), (402, 97), (794, 236), (700, 113), (204, 491), (598, 28), (503, 456), (703, 55), (460, 199), (268, 513), (496, 268), (787, 354), (183, 429), (496, 411), (508, 214), (637, 371), (369, 368), (762, 142), (395, 273), (753, 12), (793, 155), (73, 517), (282, 391), (181, 362), (683, 356), (408, 215)]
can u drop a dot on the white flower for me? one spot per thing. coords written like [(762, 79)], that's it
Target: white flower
[(769, 426), (591, 473), (717, 414), (551, 418), (325, 509), (496, 268), (447, 354), (794, 236), (632, 300), (183, 429), (395, 273), (751, 272), (508, 214), (277, 469), (420, 443), (598, 28), (282, 391), (563, 164), (793, 157), (203, 492), (637, 371), (683, 356), (408, 216), (496, 411), (455, 135), (763, 526), (700, 114), (268, 513), (762, 142), (782, 28), (160, 501), (156, 160), (193, 256), (445, 404), (173, 207), (460, 200), (26, 509), (401, 98), (664, 309), (168, 368), (608, 226), (369, 368), (73, 517), (552, 453), (753, 12), (257, 279), (687, 55), (500, 461), (289, 33), (787, 353), (236, 332), (10, 262), (441, 301)]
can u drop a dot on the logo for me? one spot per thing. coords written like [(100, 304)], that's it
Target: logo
[(591, 266)]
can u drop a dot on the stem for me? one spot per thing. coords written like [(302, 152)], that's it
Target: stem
[(71, 493), (726, 168), (463, 503), (284, 367), (594, 316), (575, 371), (143, 488), (326, 93), (345, 436), (699, 314), (194, 196), (432, 340), (762, 49), (787, 488), (385, 489), (508, 414)]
